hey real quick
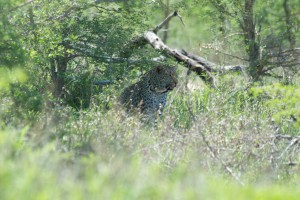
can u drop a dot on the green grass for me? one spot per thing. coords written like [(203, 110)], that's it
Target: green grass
[(46, 173), (62, 153)]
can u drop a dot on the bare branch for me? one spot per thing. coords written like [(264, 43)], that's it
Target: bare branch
[(21, 5), (226, 54), (159, 26), (294, 141), (288, 137), (181, 19), (212, 67), (213, 153), (197, 64), (193, 65)]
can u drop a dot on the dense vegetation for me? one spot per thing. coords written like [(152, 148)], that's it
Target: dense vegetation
[(65, 136)]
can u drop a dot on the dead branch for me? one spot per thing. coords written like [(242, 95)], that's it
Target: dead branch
[(150, 37), (294, 141), (213, 153), (158, 44), (140, 41), (210, 66), (202, 67), (215, 156), (159, 26), (288, 137), (202, 61)]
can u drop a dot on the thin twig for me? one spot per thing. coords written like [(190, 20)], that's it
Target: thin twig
[(282, 136), (226, 54), (292, 143), (231, 35), (214, 155), (153, 146)]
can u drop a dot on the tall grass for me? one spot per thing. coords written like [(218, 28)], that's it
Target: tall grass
[(203, 136)]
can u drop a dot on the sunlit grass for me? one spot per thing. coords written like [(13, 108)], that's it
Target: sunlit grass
[(45, 173), (63, 153)]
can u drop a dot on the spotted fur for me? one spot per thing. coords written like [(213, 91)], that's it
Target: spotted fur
[(149, 95)]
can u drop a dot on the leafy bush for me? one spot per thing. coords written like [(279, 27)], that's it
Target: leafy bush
[(283, 100), (210, 143)]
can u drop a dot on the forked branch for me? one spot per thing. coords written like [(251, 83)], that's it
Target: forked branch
[(159, 26), (203, 68), (150, 37)]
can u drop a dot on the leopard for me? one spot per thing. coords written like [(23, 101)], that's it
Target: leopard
[(149, 94)]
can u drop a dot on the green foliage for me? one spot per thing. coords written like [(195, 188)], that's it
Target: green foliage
[(27, 97), (79, 89), (12, 52), (283, 99), (9, 77), (77, 37), (84, 146), (104, 155)]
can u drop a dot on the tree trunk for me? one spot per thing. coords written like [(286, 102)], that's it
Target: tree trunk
[(58, 69), (252, 46), (289, 25)]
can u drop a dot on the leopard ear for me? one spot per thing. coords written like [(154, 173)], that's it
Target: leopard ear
[(159, 68)]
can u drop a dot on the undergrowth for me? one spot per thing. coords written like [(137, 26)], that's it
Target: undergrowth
[(210, 144)]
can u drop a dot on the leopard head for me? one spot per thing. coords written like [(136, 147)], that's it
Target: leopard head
[(162, 79)]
